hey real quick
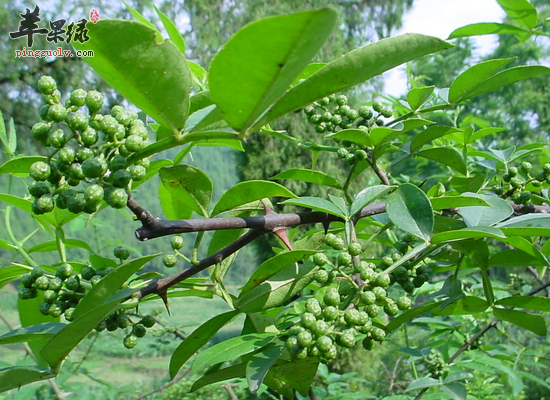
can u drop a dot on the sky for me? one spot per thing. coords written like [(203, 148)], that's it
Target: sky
[(439, 18)]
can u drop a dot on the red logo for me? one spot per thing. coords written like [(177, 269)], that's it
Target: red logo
[(94, 15)]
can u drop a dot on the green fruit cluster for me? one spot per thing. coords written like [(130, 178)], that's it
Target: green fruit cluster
[(519, 184), (352, 295), (437, 367), (332, 113), (90, 158), (62, 291)]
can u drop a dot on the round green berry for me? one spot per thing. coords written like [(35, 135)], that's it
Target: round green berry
[(526, 167), (177, 243), (78, 97), (134, 143), (342, 152), (305, 339), (88, 273), (378, 334), (355, 249), (148, 321), (64, 271), (40, 131), (403, 303), (42, 282), (50, 296), (330, 313), (516, 182), (121, 178), (89, 137), (117, 162), (57, 113), (313, 307), (139, 330), (42, 205), (341, 100), (320, 328), (372, 310), (321, 276), (368, 343), (512, 171), (170, 260), (38, 189), (138, 172), (368, 298), (25, 293), (331, 297), (377, 106), (46, 85), (78, 121), (94, 167), (307, 320), (323, 343), (76, 204), (94, 101), (130, 341), (120, 252), (365, 112), (40, 171), (382, 280), (386, 112), (346, 340), (27, 280), (116, 198), (391, 309), (344, 259)]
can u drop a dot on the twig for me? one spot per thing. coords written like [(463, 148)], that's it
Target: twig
[(230, 391), (482, 332), (161, 285)]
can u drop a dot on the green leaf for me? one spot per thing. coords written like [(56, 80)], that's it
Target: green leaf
[(273, 266), (486, 216), (482, 133), (153, 76), (527, 225), (260, 363), (521, 11), (355, 67), (224, 374), (367, 196), (526, 302), (455, 390), (189, 187), (170, 207), (200, 337), (172, 30), (281, 287), (487, 286), (309, 175), (429, 134), (410, 210), (316, 203), (11, 273), (416, 97), (513, 258), (247, 192), (298, 375), (468, 233), (51, 245), (231, 349), (513, 379), (442, 203), (464, 306), (408, 316), (15, 377), (506, 78), (423, 383), (28, 333), (140, 18), (358, 136), (533, 323), (449, 156), (255, 67), (109, 285), (473, 77), (465, 184), (486, 28), (19, 165)]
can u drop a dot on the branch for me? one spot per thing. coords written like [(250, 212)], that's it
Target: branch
[(161, 285)]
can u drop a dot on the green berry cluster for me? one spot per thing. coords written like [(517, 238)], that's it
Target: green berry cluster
[(61, 292), (171, 259), (134, 330), (342, 313), (437, 367), (332, 113), (516, 284), (89, 162), (520, 183)]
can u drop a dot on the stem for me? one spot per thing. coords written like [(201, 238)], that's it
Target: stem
[(60, 240), (18, 245)]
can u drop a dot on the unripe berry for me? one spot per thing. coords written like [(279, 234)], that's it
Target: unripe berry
[(94, 101), (170, 260), (355, 249), (331, 297), (130, 341), (57, 113), (40, 171), (120, 252), (177, 242), (46, 85)]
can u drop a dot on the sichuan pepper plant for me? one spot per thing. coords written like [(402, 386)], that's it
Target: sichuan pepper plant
[(350, 278)]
